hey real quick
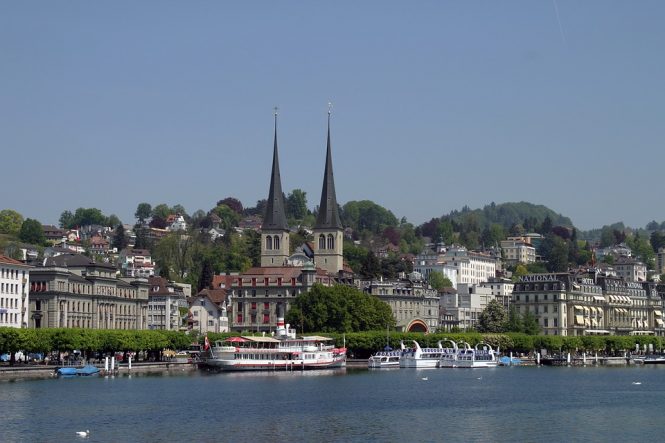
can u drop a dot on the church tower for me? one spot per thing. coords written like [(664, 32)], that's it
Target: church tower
[(275, 230), (328, 231)]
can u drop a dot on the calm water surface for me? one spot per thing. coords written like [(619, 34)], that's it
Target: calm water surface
[(528, 404)]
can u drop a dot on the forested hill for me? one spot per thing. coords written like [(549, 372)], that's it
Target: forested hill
[(528, 215)]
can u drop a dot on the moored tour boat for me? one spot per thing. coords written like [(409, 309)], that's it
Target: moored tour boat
[(384, 359), (282, 352), (418, 357), (480, 356)]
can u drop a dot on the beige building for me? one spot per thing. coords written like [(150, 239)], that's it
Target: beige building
[(518, 252), (414, 304), (587, 304), (630, 269), (73, 291)]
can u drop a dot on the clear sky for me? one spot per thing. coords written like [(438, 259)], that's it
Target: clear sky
[(437, 104)]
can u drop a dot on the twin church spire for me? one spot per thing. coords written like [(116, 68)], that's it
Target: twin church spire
[(328, 229)]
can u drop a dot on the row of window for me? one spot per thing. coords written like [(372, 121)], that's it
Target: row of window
[(7, 317), (8, 302), (12, 274), (9, 288)]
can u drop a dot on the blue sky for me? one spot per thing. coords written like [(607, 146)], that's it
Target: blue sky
[(436, 104)]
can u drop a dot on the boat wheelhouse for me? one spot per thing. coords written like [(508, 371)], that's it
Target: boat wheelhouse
[(384, 359)]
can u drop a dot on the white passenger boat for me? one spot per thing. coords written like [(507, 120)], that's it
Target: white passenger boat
[(449, 357), (418, 357), (384, 359), (480, 356), (283, 352)]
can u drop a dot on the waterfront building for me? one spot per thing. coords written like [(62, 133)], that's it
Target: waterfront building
[(73, 291), (415, 305), (208, 311), (588, 303), (164, 303), (14, 296), (258, 296), (464, 306)]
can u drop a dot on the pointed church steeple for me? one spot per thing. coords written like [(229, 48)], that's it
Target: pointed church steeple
[(328, 217), (328, 230), (275, 216), (275, 229)]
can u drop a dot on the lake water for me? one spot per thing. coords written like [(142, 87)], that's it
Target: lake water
[(519, 404)]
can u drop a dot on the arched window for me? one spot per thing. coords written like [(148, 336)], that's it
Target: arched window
[(322, 242), (331, 241), (268, 242), (276, 241)]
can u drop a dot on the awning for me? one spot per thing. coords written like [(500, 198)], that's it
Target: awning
[(600, 312), (658, 313), (659, 322), (594, 322), (593, 310), (599, 298), (579, 319), (586, 309), (578, 307), (587, 322)]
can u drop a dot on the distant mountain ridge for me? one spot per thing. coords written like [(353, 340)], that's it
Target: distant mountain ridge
[(526, 214)]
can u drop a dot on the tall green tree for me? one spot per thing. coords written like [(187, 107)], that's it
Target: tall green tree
[(32, 232), (371, 266), (10, 222), (162, 211), (120, 239), (493, 318), (439, 281), (143, 212), (66, 219), (296, 204), (530, 324), (339, 309), (514, 321)]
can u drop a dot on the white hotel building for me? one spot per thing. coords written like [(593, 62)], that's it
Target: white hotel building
[(14, 284)]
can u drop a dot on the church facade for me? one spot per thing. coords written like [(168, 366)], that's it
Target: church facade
[(257, 297)]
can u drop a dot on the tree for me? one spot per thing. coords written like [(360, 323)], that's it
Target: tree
[(66, 219), (493, 318), (444, 232), (296, 204), (371, 267), (367, 215), (32, 232), (87, 217), (657, 240), (113, 221), (162, 211), (10, 222), (439, 281), (339, 309), (120, 240), (232, 203), (143, 212), (514, 321), (230, 218), (530, 324), (207, 273)]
